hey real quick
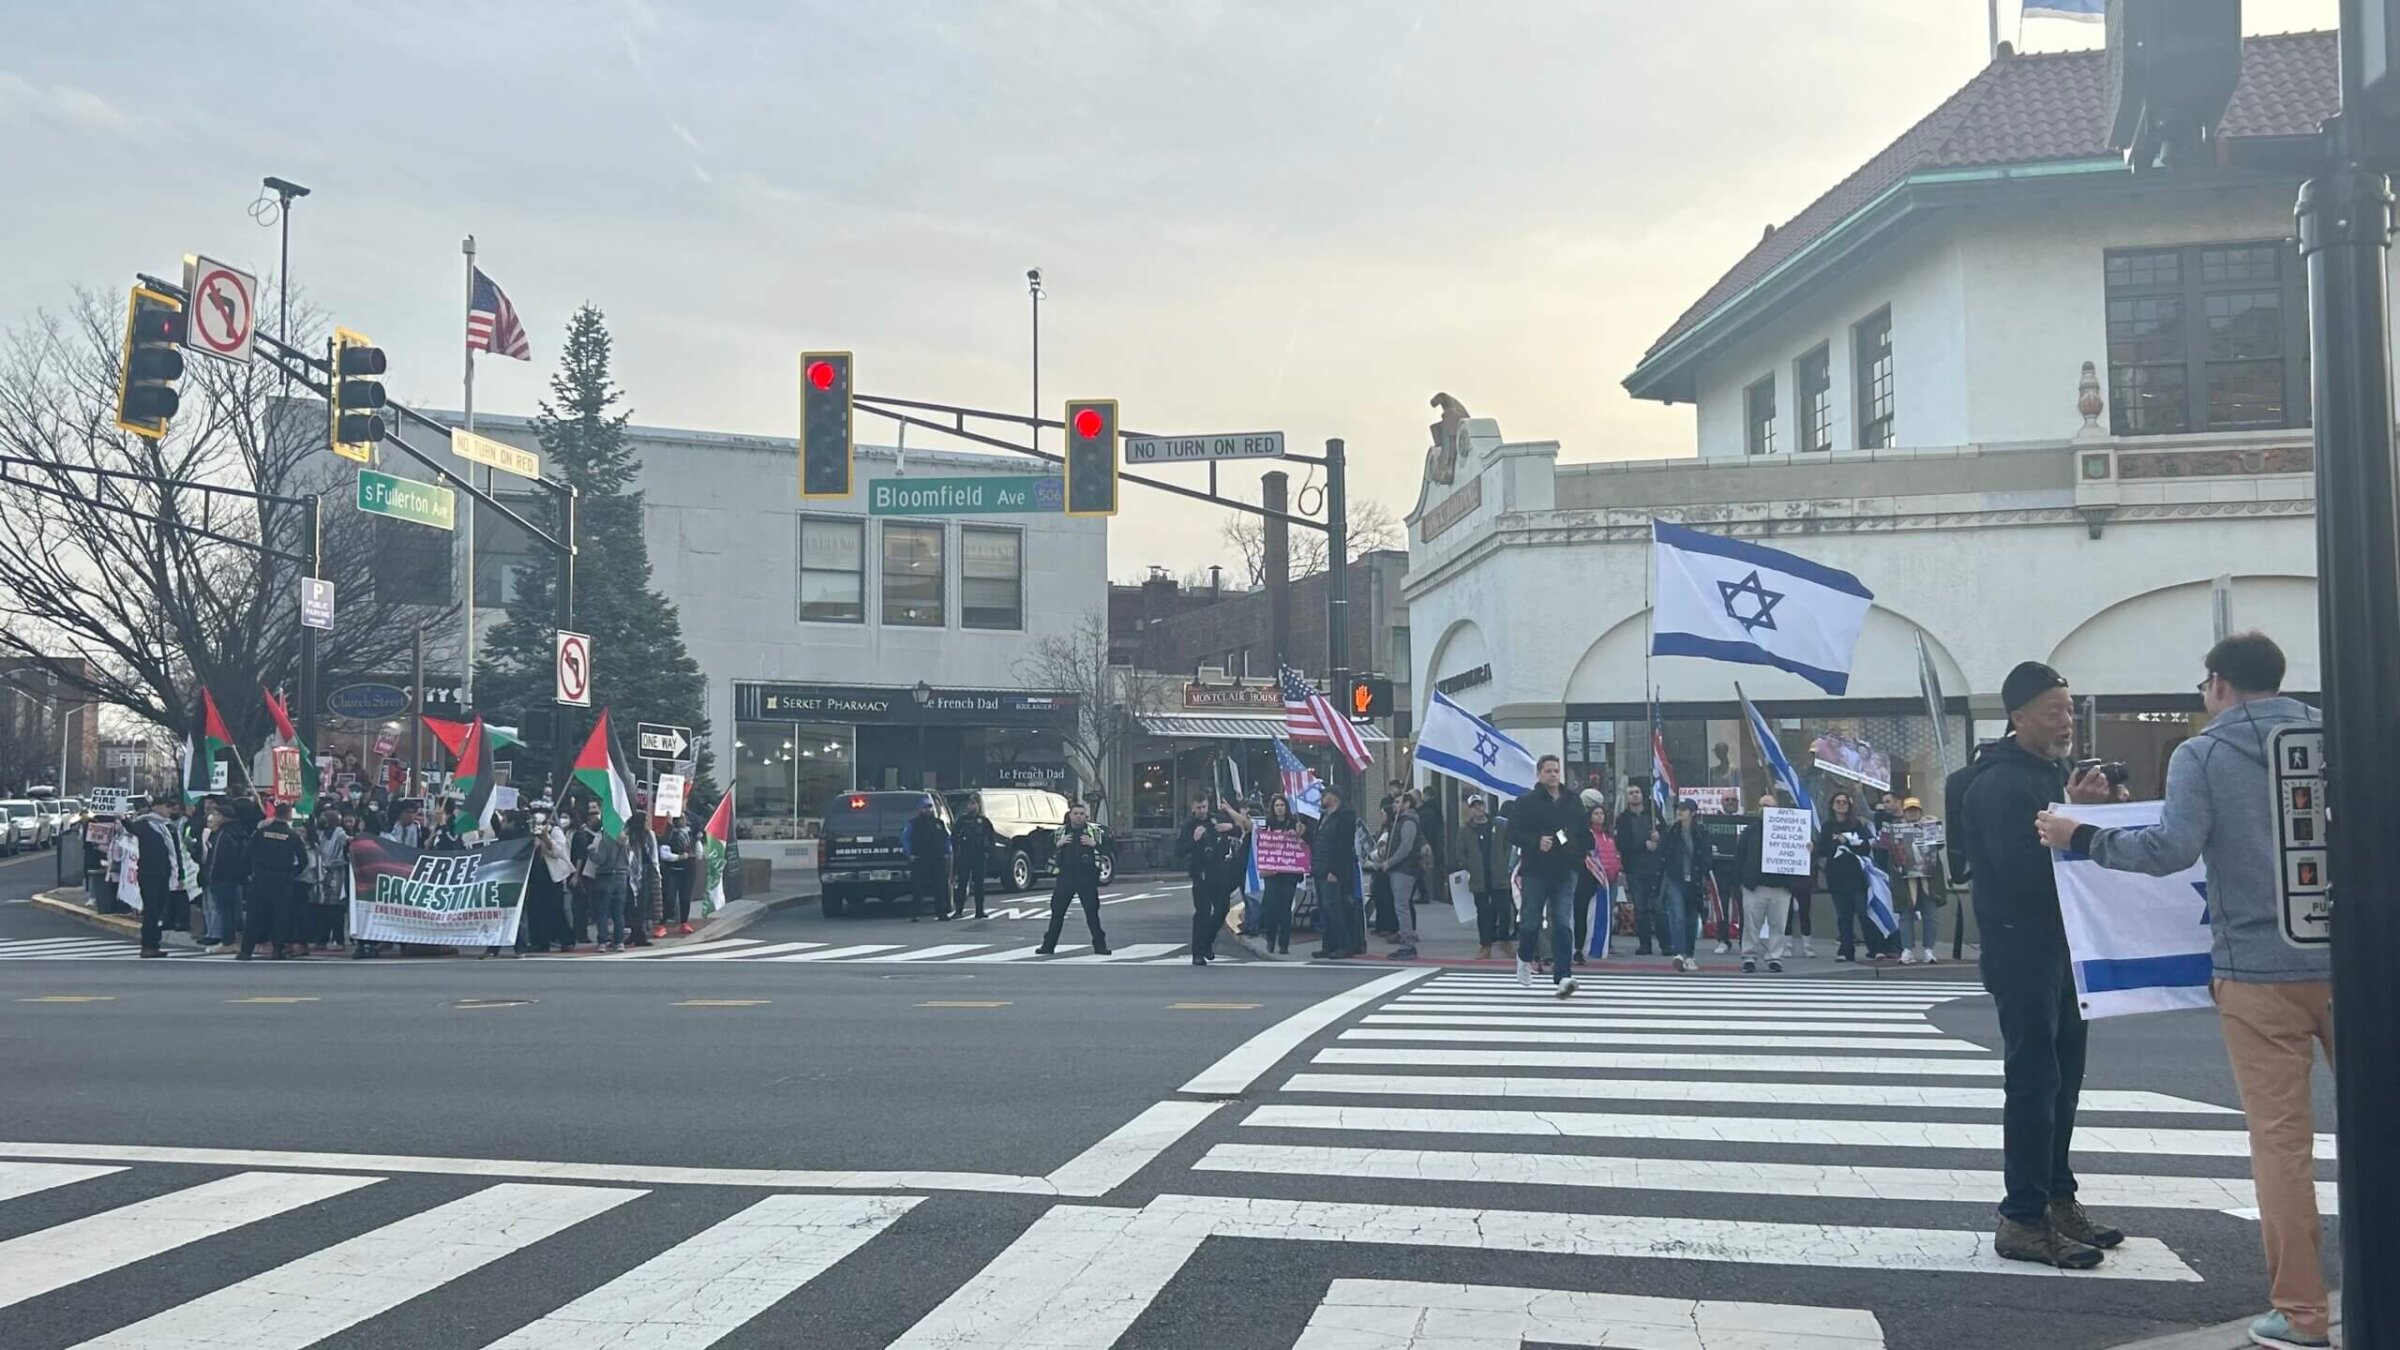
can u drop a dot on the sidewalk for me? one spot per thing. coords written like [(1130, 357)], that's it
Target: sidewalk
[(2233, 1335)]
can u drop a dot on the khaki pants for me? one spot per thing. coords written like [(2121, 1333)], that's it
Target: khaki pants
[(1762, 915), (2268, 1030)]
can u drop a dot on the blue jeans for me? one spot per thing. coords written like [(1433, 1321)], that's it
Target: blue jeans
[(609, 892), (1681, 937), (221, 910), (1912, 905), (1553, 897)]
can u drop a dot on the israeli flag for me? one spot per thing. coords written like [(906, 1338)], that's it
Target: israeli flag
[(1879, 899), (1732, 600), (2139, 943), (1457, 742), (2087, 11), (1253, 885), (1786, 777)]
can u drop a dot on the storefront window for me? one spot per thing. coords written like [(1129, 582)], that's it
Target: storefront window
[(832, 570), (1154, 794), (912, 574), (785, 772), (991, 577)]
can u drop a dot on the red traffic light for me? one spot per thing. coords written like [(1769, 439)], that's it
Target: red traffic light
[(820, 374), (1089, 423)]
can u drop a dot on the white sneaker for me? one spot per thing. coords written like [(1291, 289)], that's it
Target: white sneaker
[(1930, 959), (1566, 987), (1808, 948), (1723, 948), (1524, 973), (1907, 957)]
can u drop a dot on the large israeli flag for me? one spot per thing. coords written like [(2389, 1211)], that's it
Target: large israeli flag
[(2086, 11), (1732, 600), (1777, 763), (2139, 943), (1454, 741)]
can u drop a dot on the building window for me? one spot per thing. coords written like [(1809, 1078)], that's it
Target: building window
[(1758, 417), (833, 570), (1812, 381), (2207, 338), (1871, 357), (912, 574), (991, 577)]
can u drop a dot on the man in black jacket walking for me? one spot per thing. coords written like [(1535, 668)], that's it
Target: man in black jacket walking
[(2027, 970), (1341, 923), (1552, 833)]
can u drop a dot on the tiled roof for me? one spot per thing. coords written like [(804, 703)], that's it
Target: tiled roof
[(2037, 109)]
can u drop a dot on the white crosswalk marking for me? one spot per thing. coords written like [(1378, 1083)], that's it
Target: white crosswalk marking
[(694, 1294), (302, 1302), (56, 1257), (20, 1178), (1755, 1094), (1588, 1007), (1551, 1019), (942, 952), (75, 949), (839, 953), (1882, 1065), (1021, 953), (730, 951), (1137, 952), (1407, 1315), (1435, 1034), (721, 946)]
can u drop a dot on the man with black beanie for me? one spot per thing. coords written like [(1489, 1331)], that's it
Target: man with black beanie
[(2026, 967)]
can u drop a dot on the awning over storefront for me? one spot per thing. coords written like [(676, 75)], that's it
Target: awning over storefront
[(1230, 727)]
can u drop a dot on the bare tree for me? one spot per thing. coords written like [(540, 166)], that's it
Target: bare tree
[(149, 588), (1371, 524), (1109, 700)]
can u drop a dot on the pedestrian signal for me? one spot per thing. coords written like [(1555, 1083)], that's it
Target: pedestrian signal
[(1370, 697)]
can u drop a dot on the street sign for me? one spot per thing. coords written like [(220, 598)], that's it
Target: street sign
[(995, 494), (668, 800), (498, 454), (387, 494), (1194, 449), (223, 309), (661, 741), (575, 669), (2296, 760), (316, 602)]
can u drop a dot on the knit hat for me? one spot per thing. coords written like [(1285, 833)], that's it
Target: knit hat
[(2029, 681)]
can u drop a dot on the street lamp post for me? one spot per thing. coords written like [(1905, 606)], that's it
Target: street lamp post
[(1033, 284), (923, 694), (286, 192)]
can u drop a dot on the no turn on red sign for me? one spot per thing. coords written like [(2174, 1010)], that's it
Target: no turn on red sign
[(575, 669), (223, 309)]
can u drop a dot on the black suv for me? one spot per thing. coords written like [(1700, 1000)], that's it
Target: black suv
[(1027, 822), (859, 854)]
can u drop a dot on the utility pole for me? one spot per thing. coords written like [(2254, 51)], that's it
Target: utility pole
[(416, 708), (286, 192), (1033, 283), (1275, 570), (306, 724), (1337, 595)]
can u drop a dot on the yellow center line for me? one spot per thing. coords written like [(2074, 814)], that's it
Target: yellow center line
[(722, 1003), (71, 998), (961, 1003), (273, 1000), (1211, 1007)]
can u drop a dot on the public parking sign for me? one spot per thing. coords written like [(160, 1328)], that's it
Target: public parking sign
[(575, 669), (316, 603), (223, 309)]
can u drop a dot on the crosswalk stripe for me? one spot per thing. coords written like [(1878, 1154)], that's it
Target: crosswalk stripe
[(1888, 1095), (63, 944), (1410, 1315), (79, 1249), (1699, 1024), (1019, 953), (1580, 1005), (1139, 951), (1619, 1038), (695, 1293), (947, 949), (838, 953), (1543, 988), (743, 950), (1884, 1066), (1747, 984), (18, 1178), (652, 953), (2108, 1190), (2230, 1143), (306, 1300), (1074, 1280)]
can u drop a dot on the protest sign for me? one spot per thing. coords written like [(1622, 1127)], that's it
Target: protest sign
[(1784, 850), (1282, 851), (469, 898)]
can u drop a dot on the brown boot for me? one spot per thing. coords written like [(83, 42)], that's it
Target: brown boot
[(2041, 1243), (2067, 1216), (1484, 952)]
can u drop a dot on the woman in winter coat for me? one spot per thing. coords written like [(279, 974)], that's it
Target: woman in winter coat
[(1275, 919), (1602, 867), (1845, 842)]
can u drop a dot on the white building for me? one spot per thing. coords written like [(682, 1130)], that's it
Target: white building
[(1889, 384)]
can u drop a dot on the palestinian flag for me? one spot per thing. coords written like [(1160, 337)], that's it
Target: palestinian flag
[(208, 740), (288, 735), (453, 736), (715, 843), (600, 770), (473, 783)]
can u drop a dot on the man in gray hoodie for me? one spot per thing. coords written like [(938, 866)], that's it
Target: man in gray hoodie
[(2272, 998)]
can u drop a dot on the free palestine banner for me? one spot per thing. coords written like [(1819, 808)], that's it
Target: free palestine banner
[(472, 898)]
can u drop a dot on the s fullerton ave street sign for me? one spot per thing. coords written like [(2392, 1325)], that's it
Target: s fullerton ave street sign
[(386, 494)]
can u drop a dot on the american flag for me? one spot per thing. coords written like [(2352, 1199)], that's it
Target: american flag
[(1662, 778), (492, 322), (1311, 717), (1300, 783)]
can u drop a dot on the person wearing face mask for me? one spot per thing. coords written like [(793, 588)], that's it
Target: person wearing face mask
[(2026, 968)]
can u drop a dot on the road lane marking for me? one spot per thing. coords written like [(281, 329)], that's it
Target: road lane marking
[(265, 998), (965, 1003), (838, 953), (1075, 1280), (1905, 1097), (71, 998), (304, 1301), (1129, 1148), (1410, 1315), (27, 1178), (721, 1003), (947, 949), (1946, 1047), (1139, 951), (1211, 1007), (1251, 1060), (1707, 1029), (717, 946), (702, 1289), (1017, 954), (1584, 1006), (79, 1249), (1886, 1066), (743, 950), (493, 1002)]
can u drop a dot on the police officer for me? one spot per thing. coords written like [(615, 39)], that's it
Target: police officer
[(971, 846), (1210, 848), (1078, 859), (278, 855)]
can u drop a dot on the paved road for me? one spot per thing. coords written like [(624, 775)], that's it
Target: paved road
[(755, 1153)]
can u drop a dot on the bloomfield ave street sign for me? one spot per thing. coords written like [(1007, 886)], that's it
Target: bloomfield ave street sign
[(989, 494), (1194, 449), (386, 494)]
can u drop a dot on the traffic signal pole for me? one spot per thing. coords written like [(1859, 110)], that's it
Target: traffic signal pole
[(310, 744), (1337, 594), (2345, 226)]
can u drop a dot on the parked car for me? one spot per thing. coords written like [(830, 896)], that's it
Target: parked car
[(65, 814), (1027, 822), (859, 853), (28, 824)]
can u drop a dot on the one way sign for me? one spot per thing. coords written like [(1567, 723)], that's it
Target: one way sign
[(660, 741)]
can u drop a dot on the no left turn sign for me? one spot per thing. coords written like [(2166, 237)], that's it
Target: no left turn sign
[(575, 669), (223, 308)]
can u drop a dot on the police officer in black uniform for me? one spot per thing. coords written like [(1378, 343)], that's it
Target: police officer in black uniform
[(278, 855), (1078, 858)]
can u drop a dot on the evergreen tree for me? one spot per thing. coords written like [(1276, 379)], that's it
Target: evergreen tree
[(639, 666)]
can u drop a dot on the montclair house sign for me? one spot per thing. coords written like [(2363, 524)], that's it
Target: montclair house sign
[(1451, 510), (1267, 697)]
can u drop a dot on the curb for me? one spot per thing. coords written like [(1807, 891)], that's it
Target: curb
[(55, 902), (2234, 1335), (740, 914)]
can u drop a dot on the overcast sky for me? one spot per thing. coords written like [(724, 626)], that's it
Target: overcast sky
[(1250, 214)]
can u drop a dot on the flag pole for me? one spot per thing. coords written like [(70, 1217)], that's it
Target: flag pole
[(466, 674)]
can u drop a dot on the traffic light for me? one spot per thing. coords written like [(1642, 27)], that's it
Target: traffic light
[(152, 363), (1092, 457), (356, 394), (1370, 697), (826, 450)]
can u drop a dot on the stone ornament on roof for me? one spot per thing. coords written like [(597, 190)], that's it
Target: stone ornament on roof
[(1449, 441)]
